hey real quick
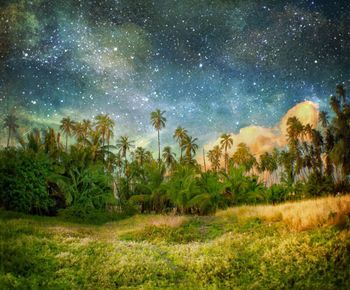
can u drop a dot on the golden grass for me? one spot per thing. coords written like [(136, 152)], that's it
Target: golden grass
[(299, 215), (168, 221)]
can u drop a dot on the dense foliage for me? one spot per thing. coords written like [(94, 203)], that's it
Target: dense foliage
[(87, 173), (24, 182)]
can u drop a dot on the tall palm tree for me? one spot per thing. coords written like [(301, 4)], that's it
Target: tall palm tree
[(190, 147), (83, 130), (307, 131), (124, 145), (119, 163), (324, 119), (158, 122), (67, 127), (105, 125), (335, 104), (79, 132), (35, 142), (86, 127), (180, 135), (109, 136), (94, 144), (205, 167), (267, 164), (295, 129), (149, 156), (140, 155), (243, 156), (52, 142), (10, 123), (214, 156), (341, 92), (226, 143), (168, 157)]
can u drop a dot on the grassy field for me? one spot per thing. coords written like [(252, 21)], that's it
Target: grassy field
[(297, 245)]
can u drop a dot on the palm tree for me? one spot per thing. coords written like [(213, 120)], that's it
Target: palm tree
[(295, 128), (124, 145), (226, 143), (79, 132), (218, 153), (205, 167), (105, 125), (86, 128), (10, 123), (335, 104), (148, 156), (214, 156), (341, 92), (243, 156), (180, 135), (35, 142), (67, 127), (119, 163), (109, 136), (267, 164), (317, 142), (158, 122), (52, 142), (324, 119), (307, 131), (94, 144), (168, 157), (140, 155), (190, 147)]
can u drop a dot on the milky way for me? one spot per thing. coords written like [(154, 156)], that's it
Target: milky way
[(213, 66)]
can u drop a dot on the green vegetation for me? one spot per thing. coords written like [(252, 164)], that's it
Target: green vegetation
[(232, 249), (96, 190), (86, 173)]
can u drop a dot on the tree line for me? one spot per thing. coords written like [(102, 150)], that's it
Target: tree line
[(79, 169)]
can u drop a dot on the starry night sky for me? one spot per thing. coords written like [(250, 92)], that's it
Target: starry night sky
[(212, 65)]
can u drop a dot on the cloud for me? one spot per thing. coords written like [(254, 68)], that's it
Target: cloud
[(263, 139)]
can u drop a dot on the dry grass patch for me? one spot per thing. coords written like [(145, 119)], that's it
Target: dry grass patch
[(167, 221), (300, 215)]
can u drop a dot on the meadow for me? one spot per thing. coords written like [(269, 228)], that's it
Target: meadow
[(301, 245)]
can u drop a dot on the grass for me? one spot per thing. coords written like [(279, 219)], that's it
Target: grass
[(301, 215), (293, 245)]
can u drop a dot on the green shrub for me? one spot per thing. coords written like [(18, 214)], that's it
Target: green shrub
[(242, 189), (87, 189), (24, 181), (277, 193), (317, 185)]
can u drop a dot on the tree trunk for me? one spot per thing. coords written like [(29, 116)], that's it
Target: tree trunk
[(205, 167), (8, 138), (66, 143), (108, 154), (125, 164), (158, 148)]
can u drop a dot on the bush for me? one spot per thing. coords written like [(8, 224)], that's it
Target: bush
[(277, 193), (24, 181), (87, 189), (317, 185)]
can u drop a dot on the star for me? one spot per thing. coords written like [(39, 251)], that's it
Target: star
[(211, 65)]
